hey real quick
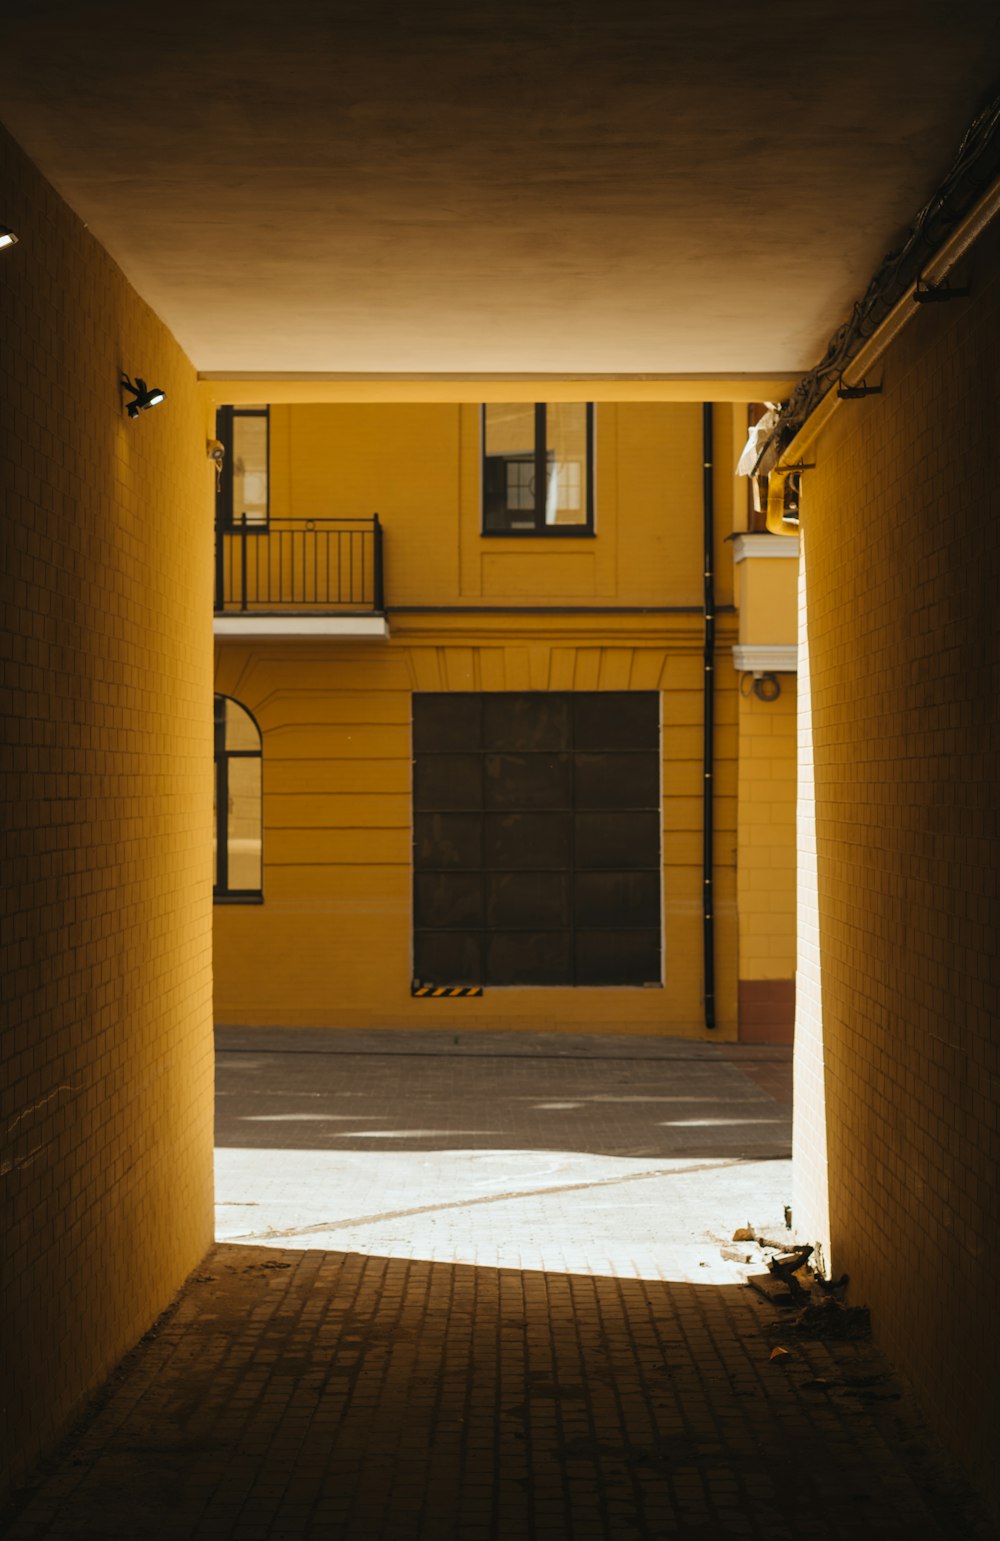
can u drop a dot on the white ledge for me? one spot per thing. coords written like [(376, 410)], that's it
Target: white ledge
[(763, 659), (268, 628), (764, 545)]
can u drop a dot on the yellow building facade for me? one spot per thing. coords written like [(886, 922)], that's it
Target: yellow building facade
[(329, 628)]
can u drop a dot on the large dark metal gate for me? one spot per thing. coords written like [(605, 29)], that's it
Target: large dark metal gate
[(537, 838)]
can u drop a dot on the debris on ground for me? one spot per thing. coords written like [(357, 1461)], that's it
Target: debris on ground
[(829, 1285), (787, 1264), (830, 1319), (786, 1276), (773, 1290)]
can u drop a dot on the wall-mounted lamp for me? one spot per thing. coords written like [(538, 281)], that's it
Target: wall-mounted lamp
[(146, 396), (7, 237)]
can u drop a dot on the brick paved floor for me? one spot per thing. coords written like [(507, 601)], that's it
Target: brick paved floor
[(305, 1392)]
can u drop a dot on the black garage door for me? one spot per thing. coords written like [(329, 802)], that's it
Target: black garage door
[(536, 846)]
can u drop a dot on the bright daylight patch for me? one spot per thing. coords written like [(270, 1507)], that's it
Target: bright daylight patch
[(553, 1210), (506, 1153)]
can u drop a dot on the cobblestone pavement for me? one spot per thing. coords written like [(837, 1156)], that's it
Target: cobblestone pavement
[(304, 1391)]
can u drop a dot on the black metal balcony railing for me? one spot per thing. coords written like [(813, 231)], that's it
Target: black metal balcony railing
[(326, 566)]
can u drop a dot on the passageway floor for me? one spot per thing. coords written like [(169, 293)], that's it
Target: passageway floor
[(354, 1380)]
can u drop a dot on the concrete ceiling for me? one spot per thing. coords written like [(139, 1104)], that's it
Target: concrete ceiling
[(549, 186)]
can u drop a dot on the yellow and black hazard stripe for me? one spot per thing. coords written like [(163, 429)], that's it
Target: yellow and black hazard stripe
[(439, 992)]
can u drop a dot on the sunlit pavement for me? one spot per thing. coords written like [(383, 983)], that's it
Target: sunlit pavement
[(628, 1156), (472, 1292)]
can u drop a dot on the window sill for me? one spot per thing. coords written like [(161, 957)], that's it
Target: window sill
[(237, 898), (566, 532)]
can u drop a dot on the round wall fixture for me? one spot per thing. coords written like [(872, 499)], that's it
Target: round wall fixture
[(767, 687)]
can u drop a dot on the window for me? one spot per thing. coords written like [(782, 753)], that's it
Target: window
[(238, 806), (536, 838), (243, 496), (538, 465)]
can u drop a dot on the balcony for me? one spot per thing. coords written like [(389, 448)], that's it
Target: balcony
[(305, 578)]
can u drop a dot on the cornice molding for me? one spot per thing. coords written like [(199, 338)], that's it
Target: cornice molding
[(769, 546), (763, 659)]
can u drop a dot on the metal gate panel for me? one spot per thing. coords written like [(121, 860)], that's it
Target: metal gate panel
[(537, 838)]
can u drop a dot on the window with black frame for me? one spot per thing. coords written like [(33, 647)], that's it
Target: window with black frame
[(538, 468), (243, 497), (238, 846)]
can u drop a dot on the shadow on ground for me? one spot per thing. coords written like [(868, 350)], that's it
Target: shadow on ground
[(328, 1395), (528, 1330), (302, 1089)]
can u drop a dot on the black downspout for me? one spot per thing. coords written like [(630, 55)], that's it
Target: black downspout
[(708, 740), (220, 567), (378, 582)]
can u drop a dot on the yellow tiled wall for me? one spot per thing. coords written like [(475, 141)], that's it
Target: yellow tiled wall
[(810, 1167), (106, 897), (898, 1002)]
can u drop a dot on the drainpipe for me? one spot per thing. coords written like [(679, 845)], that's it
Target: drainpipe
[(708, 739)]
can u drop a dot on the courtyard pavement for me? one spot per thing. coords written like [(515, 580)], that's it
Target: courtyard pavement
[(632, 1156), (475, 1288)]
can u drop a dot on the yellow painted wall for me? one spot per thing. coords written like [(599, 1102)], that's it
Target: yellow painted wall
[(898, 999), (766, 861), (766, 589), (419, 468), (107, 1074), (331, 945), (766, 833), (766, 592)]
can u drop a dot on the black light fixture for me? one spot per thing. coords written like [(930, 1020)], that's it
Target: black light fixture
[(7, 236), (146, 396)]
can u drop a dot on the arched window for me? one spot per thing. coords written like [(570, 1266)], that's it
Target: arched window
[(238, 804)]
